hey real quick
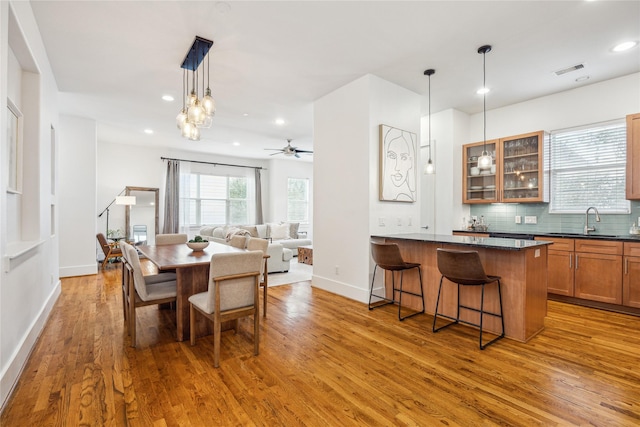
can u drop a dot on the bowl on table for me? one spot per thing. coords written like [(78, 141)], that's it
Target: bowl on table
[(197, 246)]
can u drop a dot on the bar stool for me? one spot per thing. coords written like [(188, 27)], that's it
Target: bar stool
[(387, 256), (464, 268)]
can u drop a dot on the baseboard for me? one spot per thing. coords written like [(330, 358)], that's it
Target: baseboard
[(78, 270), (340, 288), (9, 377)]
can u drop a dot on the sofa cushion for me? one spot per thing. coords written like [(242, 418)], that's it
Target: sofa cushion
[(293, 229), (219, 232), (279, 231), (263, 232), (207, 231)]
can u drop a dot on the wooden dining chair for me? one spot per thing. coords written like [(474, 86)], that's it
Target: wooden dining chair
[(257, 244), (233, 293), (171, 239), (110, 249), (146, 290)]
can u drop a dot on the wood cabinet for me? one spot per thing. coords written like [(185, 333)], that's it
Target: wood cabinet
[(517, 175), (479, 186), (470, 234), (631, 275), (585, 268), (560, 271), (633, 157), (598, 270)]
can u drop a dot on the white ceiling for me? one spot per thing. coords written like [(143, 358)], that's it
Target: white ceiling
[(114, 60)]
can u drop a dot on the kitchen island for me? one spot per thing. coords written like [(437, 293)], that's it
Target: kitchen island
[(522, 264)]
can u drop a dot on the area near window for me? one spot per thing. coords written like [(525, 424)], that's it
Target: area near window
[(298, 200), (587, 168), (217, 199)]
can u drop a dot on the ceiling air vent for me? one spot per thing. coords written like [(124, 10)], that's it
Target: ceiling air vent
[(569, 69)]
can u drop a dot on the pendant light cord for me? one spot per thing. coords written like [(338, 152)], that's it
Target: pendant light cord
[(429, 117), (484, 99)]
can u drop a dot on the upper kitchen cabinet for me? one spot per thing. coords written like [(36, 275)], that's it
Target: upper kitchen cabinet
[(633, 157), (518, 174), (479, 185)]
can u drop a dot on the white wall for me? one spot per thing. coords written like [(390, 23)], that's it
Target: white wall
[(599, 102), (77, 140), (346, 150), (29, 284)]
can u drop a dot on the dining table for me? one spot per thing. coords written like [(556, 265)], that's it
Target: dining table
[(192, 277)]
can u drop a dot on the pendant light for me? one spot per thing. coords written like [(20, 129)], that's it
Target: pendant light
[(429, 168), (485, 160), (196, 113)]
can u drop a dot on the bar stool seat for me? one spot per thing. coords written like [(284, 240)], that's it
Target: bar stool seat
[(387, 256), (464, 268)]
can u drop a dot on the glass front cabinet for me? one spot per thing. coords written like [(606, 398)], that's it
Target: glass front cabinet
[(517, 173)]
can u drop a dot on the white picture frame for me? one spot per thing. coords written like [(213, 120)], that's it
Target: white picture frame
[(398, 165), (14, 148)]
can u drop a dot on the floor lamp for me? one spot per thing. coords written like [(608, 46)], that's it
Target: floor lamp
[(119, 200)]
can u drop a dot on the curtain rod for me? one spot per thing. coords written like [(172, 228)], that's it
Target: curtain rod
[(215, 164)]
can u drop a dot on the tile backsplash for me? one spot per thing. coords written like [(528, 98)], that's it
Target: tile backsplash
[(501, 217)]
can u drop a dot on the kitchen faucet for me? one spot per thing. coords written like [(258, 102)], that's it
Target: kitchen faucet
[(587, 229)]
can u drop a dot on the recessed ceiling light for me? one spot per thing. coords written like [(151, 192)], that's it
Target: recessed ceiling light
[(582, 78), (148, 131), (624, 46), (279, 122), (236, 143), (245, 114), (483, 90), (167, 98)]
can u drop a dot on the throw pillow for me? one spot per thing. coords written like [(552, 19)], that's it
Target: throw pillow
[(234, 231), (253, 231), (293, 229), (279, 231)]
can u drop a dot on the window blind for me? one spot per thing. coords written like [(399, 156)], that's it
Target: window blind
[(298, 200), (587, 168)]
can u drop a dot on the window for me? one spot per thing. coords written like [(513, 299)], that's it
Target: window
[(298, 200), (213, 199), (587, 168)]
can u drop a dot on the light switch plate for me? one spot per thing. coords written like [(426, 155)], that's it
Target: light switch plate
[(518, 219), (530, 219)]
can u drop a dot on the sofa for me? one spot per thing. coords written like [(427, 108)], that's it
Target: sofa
[(282, 246)]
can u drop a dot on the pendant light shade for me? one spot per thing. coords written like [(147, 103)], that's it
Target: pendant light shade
[(429, 168), (484, 161)]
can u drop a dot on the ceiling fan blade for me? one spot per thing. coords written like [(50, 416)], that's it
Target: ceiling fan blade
[(305, 151), (274, 149), (296, 154), (273, 154)]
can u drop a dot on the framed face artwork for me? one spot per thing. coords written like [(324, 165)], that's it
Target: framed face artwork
[(398, 165), (14, 148)]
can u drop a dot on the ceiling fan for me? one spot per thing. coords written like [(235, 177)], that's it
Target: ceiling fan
[(289, 150)]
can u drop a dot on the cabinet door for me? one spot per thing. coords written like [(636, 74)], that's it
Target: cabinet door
[(633, 157), (598, 277), (479, 185), (631, 282), (522, 167), (560, 273)]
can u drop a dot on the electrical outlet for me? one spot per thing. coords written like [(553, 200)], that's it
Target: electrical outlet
[(337, 270), (530, 219), (518, 219)]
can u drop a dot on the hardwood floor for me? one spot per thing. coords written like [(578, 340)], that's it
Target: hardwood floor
[(324, 360)]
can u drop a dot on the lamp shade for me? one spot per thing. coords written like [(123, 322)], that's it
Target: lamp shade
[(125, 200)]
